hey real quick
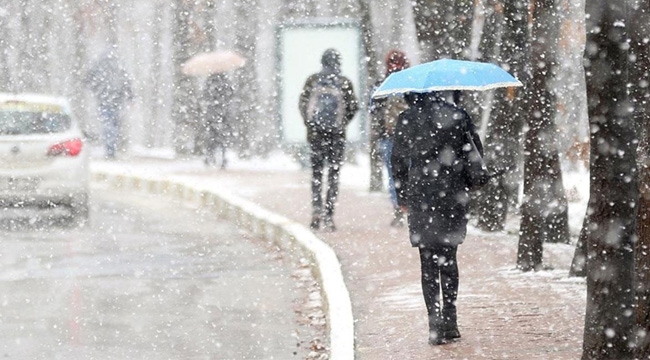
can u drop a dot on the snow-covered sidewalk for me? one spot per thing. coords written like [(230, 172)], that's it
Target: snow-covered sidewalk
[(503, 313)]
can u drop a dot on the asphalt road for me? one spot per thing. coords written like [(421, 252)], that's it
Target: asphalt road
[(145, 279)]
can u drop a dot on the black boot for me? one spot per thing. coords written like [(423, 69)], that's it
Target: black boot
[(449, 324), (315, 221), (435, 330), (328, 223)]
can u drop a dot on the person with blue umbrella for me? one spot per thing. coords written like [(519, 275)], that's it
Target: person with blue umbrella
[(434, 174)]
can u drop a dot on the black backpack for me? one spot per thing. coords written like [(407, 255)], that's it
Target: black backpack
[(326, 106)]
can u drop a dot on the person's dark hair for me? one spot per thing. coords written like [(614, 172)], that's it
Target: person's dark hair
[(331, 59), (413, 98)]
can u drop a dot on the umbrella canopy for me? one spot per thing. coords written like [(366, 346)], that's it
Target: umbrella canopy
[(446, 74), (212, 62)]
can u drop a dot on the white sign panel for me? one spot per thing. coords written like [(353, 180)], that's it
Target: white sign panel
[(299, 55)]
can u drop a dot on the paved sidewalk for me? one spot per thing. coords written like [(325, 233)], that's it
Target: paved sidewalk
[(503, 314)]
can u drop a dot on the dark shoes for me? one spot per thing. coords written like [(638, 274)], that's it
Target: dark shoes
[(315, 222), (328, 223), (444, 337), (443, 330)]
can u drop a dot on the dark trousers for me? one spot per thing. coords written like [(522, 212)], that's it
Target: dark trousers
[(110, 117), (216, 139), (326, 150), (439, 272)]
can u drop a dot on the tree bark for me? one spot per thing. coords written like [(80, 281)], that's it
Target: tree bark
[(609, 317), (545, 208), (443, 28), (184, 107), (502, 145), (640, 30), (372, 66), (642, 248), (246, 86), (5, 72), (80, 59)]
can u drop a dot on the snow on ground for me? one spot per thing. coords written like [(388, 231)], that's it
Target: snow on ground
[(355, 174)]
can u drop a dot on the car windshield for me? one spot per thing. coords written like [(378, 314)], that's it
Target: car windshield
[(20, 122)]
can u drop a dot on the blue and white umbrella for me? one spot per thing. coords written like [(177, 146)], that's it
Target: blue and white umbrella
[(446, 74)]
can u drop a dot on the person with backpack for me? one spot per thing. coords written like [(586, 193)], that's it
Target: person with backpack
[(384, 112), (327, 105), (433, 159)]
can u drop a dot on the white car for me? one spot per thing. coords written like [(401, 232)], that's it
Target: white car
[(43, 157)]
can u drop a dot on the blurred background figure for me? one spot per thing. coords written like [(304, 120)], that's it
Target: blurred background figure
[(385, 112), (111, 87), (327, 104), (217, 97)]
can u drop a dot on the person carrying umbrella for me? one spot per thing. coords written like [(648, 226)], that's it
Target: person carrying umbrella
[(216, 112), (436, 161), (432, 188), (217, 97), (327, 105)]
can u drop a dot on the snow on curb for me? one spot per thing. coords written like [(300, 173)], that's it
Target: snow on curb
[(291, 237)]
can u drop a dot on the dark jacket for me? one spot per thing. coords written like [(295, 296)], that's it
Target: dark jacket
[(429, 172), (384, 113), (109, 83), (330, 69), (217, 97)]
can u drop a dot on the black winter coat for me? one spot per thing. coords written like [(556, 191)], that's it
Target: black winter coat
[(429, 173)]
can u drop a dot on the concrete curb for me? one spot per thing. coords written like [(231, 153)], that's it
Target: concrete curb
[(293, 238)]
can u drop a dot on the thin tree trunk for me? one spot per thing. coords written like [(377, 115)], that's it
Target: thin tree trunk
[(397, 26), (372, 66), (5, 73), (443, 27), (545, 208), (183, 107), (640, 30), (80, 60), (579, 262), (502, 147), (642, 249), (246, 85), (155, 122), (609, 317)]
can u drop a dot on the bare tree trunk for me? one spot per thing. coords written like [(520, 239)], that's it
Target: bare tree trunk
[(5, 73), (502, 145), (246, 85), (640, 29), (579, 262), (80, 61), (545, 208), (372, 66), (397, 26), (488, 49), (184, 109), (155, 121), (609, 317), (642, 248), (443, 27)]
